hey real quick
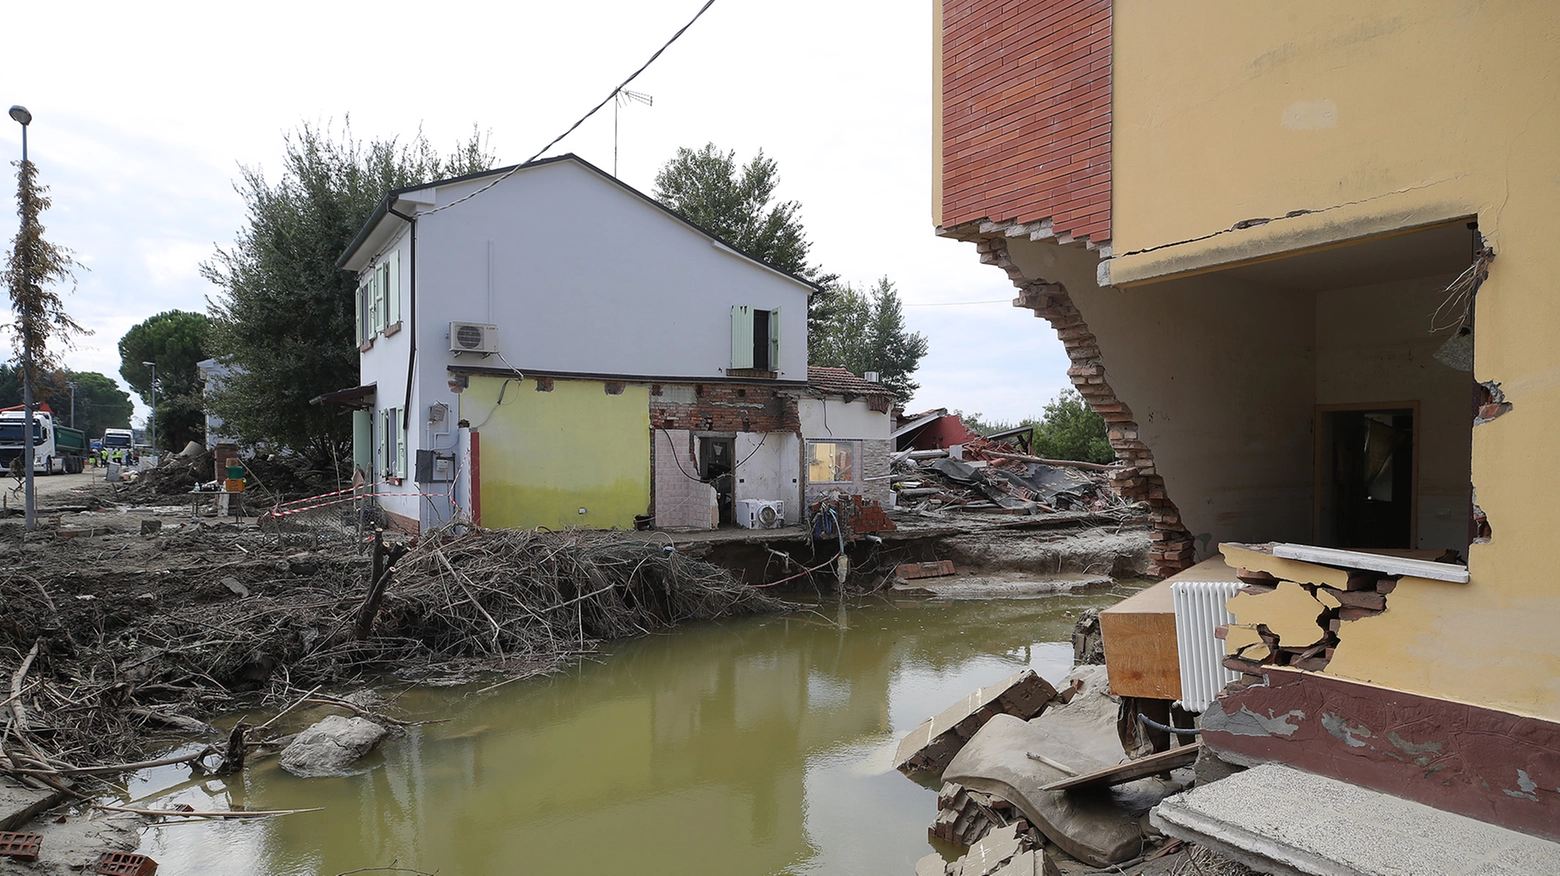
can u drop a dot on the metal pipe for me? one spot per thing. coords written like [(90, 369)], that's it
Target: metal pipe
[(1164, 728), (411, 316)]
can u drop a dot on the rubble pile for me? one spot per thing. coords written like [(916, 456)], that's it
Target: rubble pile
[(993, 477), (267, 479), (175, 476), (1053, 780)]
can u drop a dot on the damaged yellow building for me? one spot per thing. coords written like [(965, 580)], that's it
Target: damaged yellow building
[(1303, 258)]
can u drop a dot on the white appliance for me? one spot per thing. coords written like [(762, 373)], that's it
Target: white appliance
[(761, 513), (1199, 611), (473, 337)]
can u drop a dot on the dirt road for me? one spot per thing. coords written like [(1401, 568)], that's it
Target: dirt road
[(52, 487)]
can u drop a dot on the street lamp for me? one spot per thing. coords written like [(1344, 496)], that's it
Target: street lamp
[(24, 118), (153, 366)]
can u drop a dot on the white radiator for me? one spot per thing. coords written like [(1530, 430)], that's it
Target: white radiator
[(1199, 608)]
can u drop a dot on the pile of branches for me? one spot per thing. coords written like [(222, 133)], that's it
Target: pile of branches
[(88, 678), (529, 594)]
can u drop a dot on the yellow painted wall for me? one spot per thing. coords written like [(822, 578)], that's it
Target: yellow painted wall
[(1374, 118), (545, 455)]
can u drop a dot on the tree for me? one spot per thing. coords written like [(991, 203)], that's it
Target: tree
[(100, 403), (283, 318), (867, 333), (737, 205), (33, 269), (1070, 429), (176, 341)]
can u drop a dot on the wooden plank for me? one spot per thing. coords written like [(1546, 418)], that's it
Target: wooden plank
[(1132, 770), (1141, 656), (1375, 562), (935, 741)]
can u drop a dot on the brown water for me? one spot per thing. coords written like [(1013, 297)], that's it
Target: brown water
[(754, 746)]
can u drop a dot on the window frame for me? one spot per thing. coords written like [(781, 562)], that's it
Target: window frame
[(745, 339), (855, 447)]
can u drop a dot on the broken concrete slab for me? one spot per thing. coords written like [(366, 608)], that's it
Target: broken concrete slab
[(1034, 862), (18, 804), (73, 843), (1280, 820), (1006, 851), (330, 747), (935, 741), (1015, 760), (1097, 827), (989, 854)]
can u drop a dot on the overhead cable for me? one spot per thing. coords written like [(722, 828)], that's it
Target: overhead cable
[(593, 110)]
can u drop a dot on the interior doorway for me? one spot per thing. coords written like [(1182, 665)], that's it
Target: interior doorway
[(1367, 483), (716, 458)]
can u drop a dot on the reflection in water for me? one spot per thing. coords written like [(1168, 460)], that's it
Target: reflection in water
[(760, 745)]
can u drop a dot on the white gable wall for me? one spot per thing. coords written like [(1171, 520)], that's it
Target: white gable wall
[(584, 277)]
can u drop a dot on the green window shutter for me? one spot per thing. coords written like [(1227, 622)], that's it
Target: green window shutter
[(741, 336), (362, 295), (400, 444), (371, 312), (383, 274), (382, 458), (363, 440), (394, 287), (774, 340)]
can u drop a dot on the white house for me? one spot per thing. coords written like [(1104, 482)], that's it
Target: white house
[(212, 375), (542, 345)]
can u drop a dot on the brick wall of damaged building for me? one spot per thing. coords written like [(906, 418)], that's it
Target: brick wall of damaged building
[(1026, 115), (679, 414)]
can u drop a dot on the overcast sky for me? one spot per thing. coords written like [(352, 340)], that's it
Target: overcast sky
[(144, 113)]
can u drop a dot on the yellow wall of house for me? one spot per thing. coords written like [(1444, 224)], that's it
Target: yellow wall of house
[(546, 455), (1336, 121)]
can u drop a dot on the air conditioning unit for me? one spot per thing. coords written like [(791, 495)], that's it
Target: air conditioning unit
[(761, 513), (473, 337)]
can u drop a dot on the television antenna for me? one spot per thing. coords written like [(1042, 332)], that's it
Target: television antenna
[(623, 96)]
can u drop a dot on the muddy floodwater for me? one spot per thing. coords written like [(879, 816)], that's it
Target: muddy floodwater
[(752, 746)]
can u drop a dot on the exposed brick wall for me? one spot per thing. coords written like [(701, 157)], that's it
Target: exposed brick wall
[(677, 411), (723, 407), (1138, 481), (1026, 116)]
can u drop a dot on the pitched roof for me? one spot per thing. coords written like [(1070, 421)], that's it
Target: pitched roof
[(839, 381), (387, 204)]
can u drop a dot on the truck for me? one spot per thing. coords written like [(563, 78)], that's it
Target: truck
[(56, 448), (117, 441)]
